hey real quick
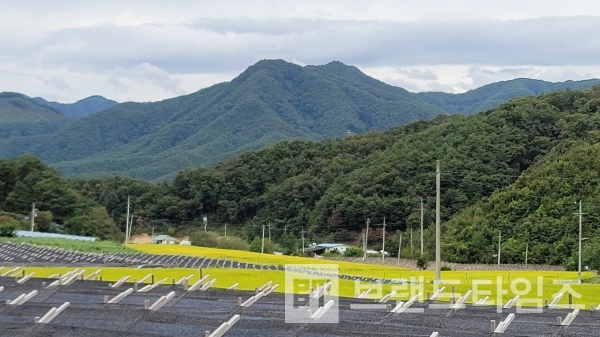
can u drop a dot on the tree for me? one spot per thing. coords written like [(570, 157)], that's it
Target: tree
[(43, 221), (256, 246), (7, 227), (289, 244), (204, 239), (353, 252), (81, 225)]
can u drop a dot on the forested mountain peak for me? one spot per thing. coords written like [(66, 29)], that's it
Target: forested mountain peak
[(271, 101), (82, 107), (18, 108)]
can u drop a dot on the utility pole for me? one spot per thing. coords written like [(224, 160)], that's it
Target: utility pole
[(130, 225), (399, 247), (438, 226), (226, 229), (580, 239), (383, 243), (421, 226), (262, 247), (411, 244), (526, 252), (285, 230), (366, 240), (127, 223), (269, 231), (499, 244), (302, 241), (205, 220), (32, 216)]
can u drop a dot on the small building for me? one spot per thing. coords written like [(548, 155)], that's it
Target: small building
[(163, 239), (325, 248)]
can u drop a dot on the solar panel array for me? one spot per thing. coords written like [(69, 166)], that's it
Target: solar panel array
[(78, 307), (191, 313)]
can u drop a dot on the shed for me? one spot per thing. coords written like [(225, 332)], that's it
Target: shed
[(163, 239), (324, 248)]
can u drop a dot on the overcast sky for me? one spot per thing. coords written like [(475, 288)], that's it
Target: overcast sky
[(151, 50)]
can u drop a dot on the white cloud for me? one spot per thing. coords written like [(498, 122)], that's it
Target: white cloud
[(149, 50)]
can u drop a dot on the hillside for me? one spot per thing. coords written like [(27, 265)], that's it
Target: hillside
[(491, 95), (517, 168), (80, 108), (18, 108), (269, 102)]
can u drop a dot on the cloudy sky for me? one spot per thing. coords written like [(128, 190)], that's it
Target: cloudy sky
[(150, 50)]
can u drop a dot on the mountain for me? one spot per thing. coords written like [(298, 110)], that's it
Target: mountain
[(269, 102), (491, 95), (18, 108), (80, 108), (519, 169), (25, 123)]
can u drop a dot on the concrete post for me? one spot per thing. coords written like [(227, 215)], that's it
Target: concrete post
[(452, 296), (146, 304), (206, 333), (389, 308), (135, 287), (558, 320), (152, 279), (492, 326), (105, 299), (428, 295), (239, 301)]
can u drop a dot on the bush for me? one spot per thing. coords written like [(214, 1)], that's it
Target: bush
[(256, 245), (422, 262), (354, 252), (232, 242), (204, 239), (332, 253), (445, 268), (7, 229)]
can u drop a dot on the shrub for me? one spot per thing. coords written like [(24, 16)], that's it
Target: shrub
[(232, 242), (256, 245), (445, 268), (422, 262), (204, 239), (7, 229), (354, 252)]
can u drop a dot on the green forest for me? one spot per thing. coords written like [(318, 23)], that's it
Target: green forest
[(269, 102), (519, 169)]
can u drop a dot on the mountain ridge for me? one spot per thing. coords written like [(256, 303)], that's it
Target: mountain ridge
[(271, 101), (82, 107)]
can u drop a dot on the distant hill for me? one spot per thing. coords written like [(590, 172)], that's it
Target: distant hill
[(271, 101), (82, 107), (18, 108), (491, 95)]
